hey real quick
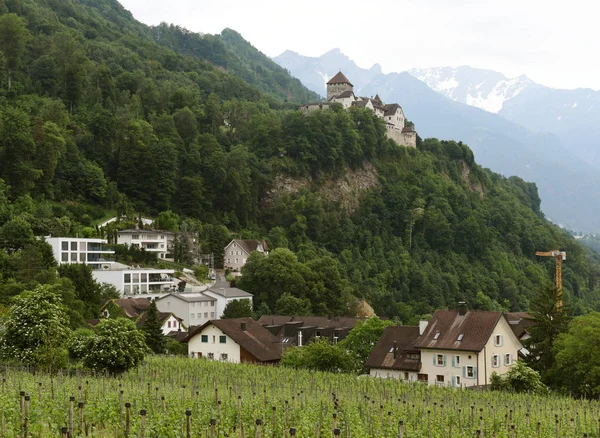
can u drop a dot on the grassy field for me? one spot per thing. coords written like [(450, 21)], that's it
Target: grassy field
[(234, 398)]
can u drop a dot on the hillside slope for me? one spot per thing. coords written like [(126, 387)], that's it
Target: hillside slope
[(101, 117)]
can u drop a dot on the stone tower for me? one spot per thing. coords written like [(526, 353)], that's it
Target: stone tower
[(337, 85)]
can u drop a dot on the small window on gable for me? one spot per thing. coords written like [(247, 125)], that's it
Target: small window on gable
[(507, 359), (204, 338), (222, 339), (498, 340), (460, 337), (437, 335), (495, 361)]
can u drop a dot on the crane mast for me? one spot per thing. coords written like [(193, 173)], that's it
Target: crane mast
[(559, 256)]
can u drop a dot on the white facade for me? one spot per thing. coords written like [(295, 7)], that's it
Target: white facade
[(91, 252), (461, 368), (408, 376), (159, 242), (193, 308), (212, 343), (172, 324), (134, 281), (236, 254), (222, 300)]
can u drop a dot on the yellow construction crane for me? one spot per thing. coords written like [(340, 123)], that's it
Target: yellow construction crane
[(559, 256)]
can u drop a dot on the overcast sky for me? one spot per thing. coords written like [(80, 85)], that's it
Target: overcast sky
[(553, 42)]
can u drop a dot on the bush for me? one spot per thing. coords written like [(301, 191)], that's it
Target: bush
[(519, 378)]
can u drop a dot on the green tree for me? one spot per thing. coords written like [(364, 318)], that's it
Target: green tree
[(116, 347), (36, 330), (362, 339), (577, 357), (13, 40), (319, 355), (152, 328), (238, 309), (288, 304), (519, 378), (15, 234), (550, 320)]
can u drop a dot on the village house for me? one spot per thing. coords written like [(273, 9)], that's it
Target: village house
[(301, 330), (237, 252), (136, 309), (224, 294), (158, 242), (86, 251), (340, 91), (395, 354), (194, 309), (463, 348), (240, 340)]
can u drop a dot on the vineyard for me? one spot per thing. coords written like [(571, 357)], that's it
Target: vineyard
[(171, 397)]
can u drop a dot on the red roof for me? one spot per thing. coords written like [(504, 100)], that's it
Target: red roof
[(339, 78)]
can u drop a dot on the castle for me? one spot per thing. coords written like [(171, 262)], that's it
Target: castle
[(341, 91)]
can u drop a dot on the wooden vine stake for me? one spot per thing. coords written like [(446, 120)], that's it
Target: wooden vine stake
[(143, 423), (26, 416), (188, 423), (259, 423), (213, 425), (127, 419), (400, 429), (71, 416)]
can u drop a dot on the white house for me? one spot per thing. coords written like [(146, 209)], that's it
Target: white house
[(91, 252), (234, 340), (136, 309), (395, 355), (224, 295), (193, 308), (237, 252), (463, 348), (159, 242), (135, 280)]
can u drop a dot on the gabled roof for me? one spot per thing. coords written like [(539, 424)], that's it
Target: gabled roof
[(188, 297), (314, 321), (403, 339), (519, 323), (255, 339), (391, 108), (133, 307), (377, 98), (249, 245), (476, 326), (162, 317), (344, 95), (339, 78), (360, 103)]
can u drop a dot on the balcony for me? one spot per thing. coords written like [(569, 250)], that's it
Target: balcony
[(99, 258)]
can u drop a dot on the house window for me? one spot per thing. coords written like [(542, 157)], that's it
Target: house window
[(228, 261), (212, 304), (82, 257), (439, 378), (168, 304), (456, 361), (73, 246), (437, 335), (193, 304), (206, 314), (460, 337), (507, 359), (457, 380), (168, 324), (127, 279), (470, 372), (498, 340), (495, 361), (237, 260), (65, 256), (144, 278), (223, 356), (211, 355), (440, 360), (73, 256), (204, 338), (406, 376), (423, 377), (212, 314), (222, 339), (193, 315), (135, 236), (65, 246), (214, 338)]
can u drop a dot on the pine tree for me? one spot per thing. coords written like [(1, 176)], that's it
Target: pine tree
[(152, 329)]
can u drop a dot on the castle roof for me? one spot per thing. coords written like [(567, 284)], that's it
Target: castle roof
[(339, 78), (391, 108), (377, 98), (343, 95)]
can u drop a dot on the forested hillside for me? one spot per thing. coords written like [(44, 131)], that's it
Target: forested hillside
[(101, 114)]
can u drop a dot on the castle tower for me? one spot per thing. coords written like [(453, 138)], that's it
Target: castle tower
[(337, 85)]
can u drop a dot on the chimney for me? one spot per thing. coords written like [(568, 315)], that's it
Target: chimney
[(243, 326), (395, 349), (462, 308), (422, 326)]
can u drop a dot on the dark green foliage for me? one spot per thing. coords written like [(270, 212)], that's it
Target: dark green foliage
[(152, 328), (519, 378), (238, 309), (362, 339), (319, 355), (287, 304)]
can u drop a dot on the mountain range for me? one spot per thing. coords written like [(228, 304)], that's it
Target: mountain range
[(507, 122)]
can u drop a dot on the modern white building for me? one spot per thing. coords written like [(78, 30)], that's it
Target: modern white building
[(193, 308), (135, 280), (91, 252), (159, 242)]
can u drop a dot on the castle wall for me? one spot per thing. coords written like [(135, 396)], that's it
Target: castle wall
[(408, 139)]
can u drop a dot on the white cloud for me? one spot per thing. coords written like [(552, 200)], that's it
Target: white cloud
[(552, 42)]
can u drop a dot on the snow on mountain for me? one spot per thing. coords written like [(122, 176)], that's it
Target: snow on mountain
[(483, 89)]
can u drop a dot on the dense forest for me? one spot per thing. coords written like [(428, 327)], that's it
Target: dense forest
[(101, 115)]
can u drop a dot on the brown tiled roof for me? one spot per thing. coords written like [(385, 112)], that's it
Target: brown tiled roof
[(250, 245), (382, 355), (360, 103), (476, 327), (345, 94), (391, 108), (377, 98), (133, 307), (339, 78), (519, 322), (315, 321), (256, 339), (162, 317)]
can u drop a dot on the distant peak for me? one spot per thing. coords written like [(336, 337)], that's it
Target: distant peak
[(288, 53)]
